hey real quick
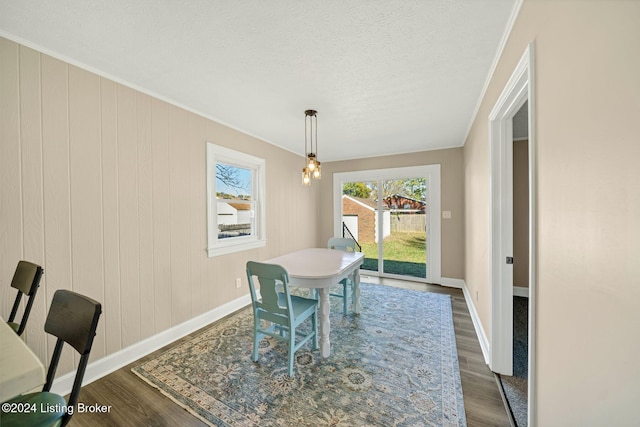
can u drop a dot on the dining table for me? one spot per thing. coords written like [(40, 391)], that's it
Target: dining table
[(321, 268), (20, 369)]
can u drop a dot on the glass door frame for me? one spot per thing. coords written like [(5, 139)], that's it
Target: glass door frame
[(432, 175)]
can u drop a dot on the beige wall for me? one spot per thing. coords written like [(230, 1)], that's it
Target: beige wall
[(452, 187), (587, 64), (105, 187)]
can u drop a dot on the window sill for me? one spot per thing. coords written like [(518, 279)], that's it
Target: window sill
[(229, 249)]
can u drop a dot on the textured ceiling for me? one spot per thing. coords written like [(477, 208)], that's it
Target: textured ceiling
[(386, 76)]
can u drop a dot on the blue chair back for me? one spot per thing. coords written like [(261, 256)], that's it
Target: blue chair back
[(342, 243), (275, 305)]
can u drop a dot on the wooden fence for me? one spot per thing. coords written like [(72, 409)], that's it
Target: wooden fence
[(414, 223)]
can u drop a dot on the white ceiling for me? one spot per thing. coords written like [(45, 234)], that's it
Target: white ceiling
[(386, 76)]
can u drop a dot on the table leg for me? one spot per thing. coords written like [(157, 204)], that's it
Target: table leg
[(324, 326), (356, 291)]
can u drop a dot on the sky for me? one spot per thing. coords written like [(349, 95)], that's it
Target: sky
[(244, 175)]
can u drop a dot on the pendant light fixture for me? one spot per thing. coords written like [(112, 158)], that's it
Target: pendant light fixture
[(312, 165)]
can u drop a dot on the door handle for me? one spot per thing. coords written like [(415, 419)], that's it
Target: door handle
[(509, 260)]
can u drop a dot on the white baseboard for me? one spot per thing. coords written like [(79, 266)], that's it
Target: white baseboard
[(482, 337), (452, 283), (520, 291), (112, 362)]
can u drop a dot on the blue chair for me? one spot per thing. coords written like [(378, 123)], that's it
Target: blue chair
[(281, 311), (348, 245), (72, 319)]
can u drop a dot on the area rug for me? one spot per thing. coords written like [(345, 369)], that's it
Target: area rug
[(394, 364)]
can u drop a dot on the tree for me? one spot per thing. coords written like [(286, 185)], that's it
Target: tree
[(231, 177), (414, 188), (356, 189)]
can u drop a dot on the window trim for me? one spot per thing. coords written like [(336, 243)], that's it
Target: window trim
[(218, 154)]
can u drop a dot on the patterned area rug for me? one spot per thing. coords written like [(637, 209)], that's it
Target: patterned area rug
[(395, 364)]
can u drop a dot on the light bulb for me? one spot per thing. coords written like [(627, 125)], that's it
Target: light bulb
[(306, 177), (312, 162)]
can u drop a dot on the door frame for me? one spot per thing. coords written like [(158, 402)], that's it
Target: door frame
[(432, 175), (519, 89)]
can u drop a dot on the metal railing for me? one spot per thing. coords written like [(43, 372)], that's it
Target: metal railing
[(347, 233)]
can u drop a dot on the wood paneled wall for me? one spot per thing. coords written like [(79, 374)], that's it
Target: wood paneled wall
[(105, 187)]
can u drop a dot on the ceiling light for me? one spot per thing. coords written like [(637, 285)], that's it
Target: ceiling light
[(312, 165)]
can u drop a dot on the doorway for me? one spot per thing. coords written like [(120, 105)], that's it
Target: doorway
[(514, 386), (518, 91), (393, 214)]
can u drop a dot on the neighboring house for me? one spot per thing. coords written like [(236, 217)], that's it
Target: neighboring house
[(232, 217), (360, 215), (227, 214), (243, 212), (398, 203)]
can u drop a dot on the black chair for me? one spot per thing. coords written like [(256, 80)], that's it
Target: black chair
[(26, 280), (73, 319)]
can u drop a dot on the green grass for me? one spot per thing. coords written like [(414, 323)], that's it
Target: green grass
[(404, 253)]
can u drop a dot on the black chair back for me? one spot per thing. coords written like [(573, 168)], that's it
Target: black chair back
[(73, 319), (26, 280)]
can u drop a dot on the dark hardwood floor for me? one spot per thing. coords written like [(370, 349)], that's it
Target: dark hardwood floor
[(135, 403)]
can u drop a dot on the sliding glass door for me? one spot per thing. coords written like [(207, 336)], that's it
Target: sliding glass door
[(389, 213), (359, 219), (404, 249)]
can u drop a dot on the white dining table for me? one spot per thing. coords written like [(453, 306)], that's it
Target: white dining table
[(20, 369), (320, 268)]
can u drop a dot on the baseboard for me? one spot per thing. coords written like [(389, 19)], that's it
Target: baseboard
[(482, 337), (106, 365), (519, 291), (452, 283)]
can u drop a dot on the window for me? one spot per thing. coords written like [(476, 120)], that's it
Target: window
[(235, 201)]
